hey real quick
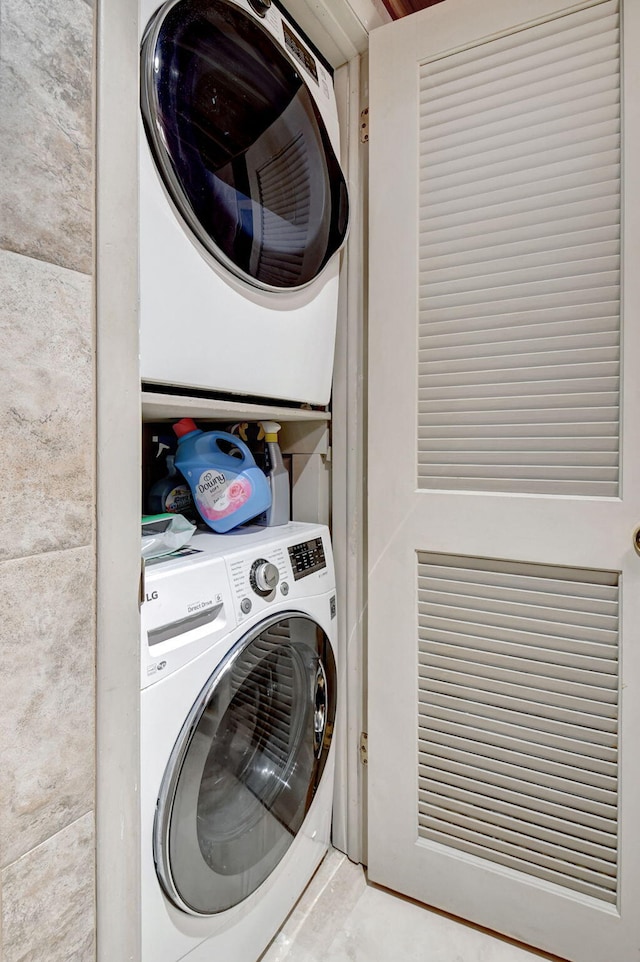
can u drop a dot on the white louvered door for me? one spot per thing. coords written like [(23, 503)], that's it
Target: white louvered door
[(504, 468)]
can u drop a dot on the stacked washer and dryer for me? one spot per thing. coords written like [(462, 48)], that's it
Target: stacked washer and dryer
[(243, 208)]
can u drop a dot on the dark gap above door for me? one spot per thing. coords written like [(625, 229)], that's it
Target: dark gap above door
[(402, 8)]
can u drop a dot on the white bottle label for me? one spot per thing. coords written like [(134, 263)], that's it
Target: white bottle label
[(218, 496)]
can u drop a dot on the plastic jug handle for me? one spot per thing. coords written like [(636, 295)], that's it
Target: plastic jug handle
[(247, 456)]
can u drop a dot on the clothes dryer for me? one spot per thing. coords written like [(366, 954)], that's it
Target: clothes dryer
[(238, 700), (243, 205)]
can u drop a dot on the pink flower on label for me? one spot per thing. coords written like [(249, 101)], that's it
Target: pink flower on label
[(236, 490)]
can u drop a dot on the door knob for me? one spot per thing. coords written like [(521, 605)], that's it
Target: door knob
[(636, 539)]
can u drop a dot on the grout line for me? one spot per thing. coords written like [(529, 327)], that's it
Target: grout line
[(49, 838), (49, 551)]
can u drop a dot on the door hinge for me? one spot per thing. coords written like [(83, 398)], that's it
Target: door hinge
[(364, 748), (364, 125)]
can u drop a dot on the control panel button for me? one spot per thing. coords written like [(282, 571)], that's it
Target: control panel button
[(245, 606), (284, 588)]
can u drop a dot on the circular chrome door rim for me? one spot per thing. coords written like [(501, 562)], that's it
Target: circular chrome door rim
[(149, 107), (164, 806)]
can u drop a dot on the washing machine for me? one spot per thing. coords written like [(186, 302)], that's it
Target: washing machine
[(237, 714), (242, 204)]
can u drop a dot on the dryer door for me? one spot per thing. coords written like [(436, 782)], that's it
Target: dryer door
[(246, 766), (240, 144)]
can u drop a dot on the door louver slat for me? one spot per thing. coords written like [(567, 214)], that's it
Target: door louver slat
[(511, 856), (553, 847), (560, 664), (519, 265), (531, 805), (571, 802), (585, 68), (517, 717), (562, 164), (441, 349), (510, 684), (524, 701), (598, 742), (558, 745), (516, 48), (506, 161), (559, 774), (527, 628), (568, 596), (553, 831), (592, 831)]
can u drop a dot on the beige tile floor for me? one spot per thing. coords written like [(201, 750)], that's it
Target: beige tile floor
[(342, 919)]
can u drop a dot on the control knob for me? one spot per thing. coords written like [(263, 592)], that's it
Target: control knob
[(260, 6), (264, 577)]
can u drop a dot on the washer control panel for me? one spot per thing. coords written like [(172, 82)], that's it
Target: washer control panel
[(258, 581), (277, 566), (307, 557)]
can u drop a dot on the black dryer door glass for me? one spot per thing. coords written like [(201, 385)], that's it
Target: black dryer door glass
[(246, 766), (240, 144)]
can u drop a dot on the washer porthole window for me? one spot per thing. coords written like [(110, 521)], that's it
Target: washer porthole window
[(246, 766), (240, 144)]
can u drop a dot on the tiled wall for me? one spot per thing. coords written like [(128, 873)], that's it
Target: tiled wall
[(47, 502)]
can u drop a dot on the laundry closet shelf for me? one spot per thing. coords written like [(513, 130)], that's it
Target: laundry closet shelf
[(160, 407)]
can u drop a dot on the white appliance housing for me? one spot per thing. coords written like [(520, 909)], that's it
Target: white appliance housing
[(266, 328), (197, 629)]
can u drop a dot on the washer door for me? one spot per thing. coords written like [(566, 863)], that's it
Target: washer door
[(240, 144), (246, 766)]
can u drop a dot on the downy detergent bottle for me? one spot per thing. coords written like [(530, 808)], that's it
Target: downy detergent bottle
[(227, 490)]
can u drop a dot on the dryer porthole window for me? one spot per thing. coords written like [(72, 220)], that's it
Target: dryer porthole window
[(243, 206), (240, 143)]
